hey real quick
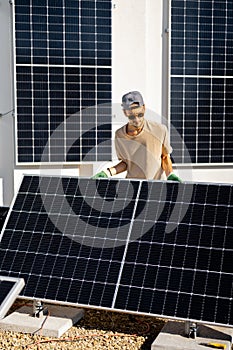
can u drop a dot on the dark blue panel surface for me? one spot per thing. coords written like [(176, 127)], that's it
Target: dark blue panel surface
[(158, 248), (74, 232), (5, 287), (63, 66), (181, 264), (201, 81)]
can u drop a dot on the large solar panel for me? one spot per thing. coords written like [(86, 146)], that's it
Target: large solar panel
[(62, 67), (201, 85), (67, 238), (148, 247), (181, 264)]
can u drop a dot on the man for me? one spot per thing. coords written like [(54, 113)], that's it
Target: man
[(142, 146)]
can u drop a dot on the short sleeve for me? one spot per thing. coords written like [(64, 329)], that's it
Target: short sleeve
[(166, 142)]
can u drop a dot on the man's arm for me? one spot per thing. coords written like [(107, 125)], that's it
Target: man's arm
[(119, 168), (166, 164)]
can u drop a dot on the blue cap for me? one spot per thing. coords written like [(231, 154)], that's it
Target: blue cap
[(130, 98)]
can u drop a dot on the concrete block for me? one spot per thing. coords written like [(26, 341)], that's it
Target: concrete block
[(173, 337), (57, 322)]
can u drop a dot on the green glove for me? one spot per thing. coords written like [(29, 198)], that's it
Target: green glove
[(101, 174), (173, 177)]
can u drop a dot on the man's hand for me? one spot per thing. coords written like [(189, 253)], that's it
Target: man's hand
[(166, 165), (174, 177), (102, 174), (116, 169)]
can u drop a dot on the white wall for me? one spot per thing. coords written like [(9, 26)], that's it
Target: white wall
[(137, 50), (6, 103), (139, 63), (1, 193)]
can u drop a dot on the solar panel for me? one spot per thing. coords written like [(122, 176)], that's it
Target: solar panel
[(185, 272), (62, 67), (201, 85), (148, 247), (67, 237), (9, 290)]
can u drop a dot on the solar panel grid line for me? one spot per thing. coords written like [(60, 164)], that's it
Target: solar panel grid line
[(126, 246), (224, 113), (198, 69), (177, 303), (198, 247), (173, 256), (216, 281), (225, 43), (61, 65), (32, 91), (96, 85), (49, 115), (160, 266), (80, 84), (225, 245), (202, 76), (183, 103), (211, 82)]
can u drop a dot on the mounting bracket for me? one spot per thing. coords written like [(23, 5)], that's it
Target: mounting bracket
[(191, 329), (38, 309)]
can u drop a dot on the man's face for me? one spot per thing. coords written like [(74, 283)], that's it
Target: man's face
[(135, 115)]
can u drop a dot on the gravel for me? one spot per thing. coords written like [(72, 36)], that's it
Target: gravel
[(98, 329)]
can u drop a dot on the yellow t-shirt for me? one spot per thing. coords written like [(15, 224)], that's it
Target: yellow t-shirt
[(142, 153)]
